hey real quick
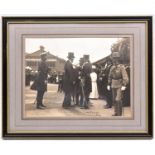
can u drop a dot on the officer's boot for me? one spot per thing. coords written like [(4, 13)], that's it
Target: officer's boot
[(119, 108), (86, 105), (42, 105), (115, 109), (39, 104)]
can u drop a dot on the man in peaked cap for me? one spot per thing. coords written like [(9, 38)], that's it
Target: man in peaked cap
[(86, 80), (117, 81), (41, 87), (77, 86), (68, 81)]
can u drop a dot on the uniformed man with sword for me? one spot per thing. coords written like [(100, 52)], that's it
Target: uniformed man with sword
[(86, 81)]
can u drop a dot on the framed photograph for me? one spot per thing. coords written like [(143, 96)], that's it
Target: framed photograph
[(77, 77)]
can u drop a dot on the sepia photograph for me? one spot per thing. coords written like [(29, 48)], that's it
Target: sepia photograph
[(77, 77)]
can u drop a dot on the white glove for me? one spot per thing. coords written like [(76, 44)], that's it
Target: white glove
[(123, 88), (79, 77), (108, 87)]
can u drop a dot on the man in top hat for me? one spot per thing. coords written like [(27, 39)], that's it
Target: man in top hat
[(86, 80), (68, 80), (117, 81), (41, 82)]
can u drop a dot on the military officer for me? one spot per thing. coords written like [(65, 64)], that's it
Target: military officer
[(86, 80), (117, 81), (41, 81), (68, 81), (77, 86)]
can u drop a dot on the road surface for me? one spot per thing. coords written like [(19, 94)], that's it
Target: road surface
[(53, 101)]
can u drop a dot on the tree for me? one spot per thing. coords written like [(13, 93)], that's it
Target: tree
[(123, 47)]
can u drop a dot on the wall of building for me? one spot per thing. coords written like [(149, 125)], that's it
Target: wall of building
[(55, 63)]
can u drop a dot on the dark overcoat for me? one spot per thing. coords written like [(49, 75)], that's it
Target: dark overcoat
[(107, 93), (68, 77), (87, 69), (77, 76), (42, 76)]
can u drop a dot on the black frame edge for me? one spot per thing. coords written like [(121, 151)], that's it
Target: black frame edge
[(4, 77), (150, 77)]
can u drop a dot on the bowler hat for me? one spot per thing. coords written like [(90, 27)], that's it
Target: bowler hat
[(86, 57), (70, 55)]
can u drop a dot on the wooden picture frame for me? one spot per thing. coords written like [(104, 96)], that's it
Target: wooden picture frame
[(138, 28)]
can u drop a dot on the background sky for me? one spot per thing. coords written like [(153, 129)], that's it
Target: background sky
[(97, 48)]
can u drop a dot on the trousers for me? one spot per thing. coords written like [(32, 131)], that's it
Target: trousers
[(40, 94), (117, 100), (67, 100)]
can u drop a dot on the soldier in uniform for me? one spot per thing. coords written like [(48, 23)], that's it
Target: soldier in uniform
[(117, 81), (68, 81), (86, 80), (77, 86), (41, 81)]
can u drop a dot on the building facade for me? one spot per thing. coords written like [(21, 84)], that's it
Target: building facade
[(55, 63)]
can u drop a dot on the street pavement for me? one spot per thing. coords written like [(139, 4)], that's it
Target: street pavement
[(53, 101)]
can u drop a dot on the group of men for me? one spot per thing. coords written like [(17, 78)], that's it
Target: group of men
[(77, 82)]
